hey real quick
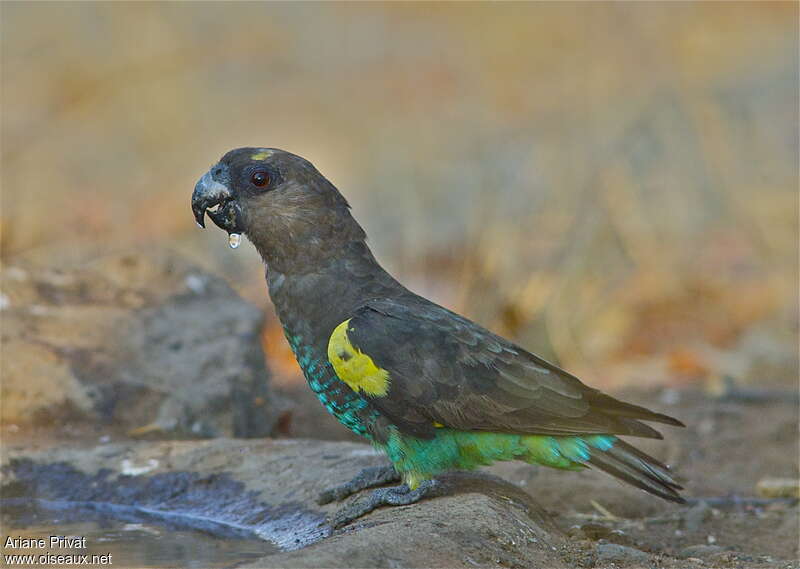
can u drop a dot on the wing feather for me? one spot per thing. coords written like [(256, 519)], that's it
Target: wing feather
[(445, 369)]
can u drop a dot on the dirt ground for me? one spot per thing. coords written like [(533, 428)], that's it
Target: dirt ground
[(729, 445)]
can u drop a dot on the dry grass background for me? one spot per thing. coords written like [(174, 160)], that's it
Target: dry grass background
[(615, 185)]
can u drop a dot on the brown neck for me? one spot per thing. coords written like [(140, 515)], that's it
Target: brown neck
[(310, 303), (294, 244)]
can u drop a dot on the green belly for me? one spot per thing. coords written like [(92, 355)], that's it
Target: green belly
[(421, 459)]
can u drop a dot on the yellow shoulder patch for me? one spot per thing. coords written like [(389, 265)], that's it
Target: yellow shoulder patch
[(261, 155), (354, 367)]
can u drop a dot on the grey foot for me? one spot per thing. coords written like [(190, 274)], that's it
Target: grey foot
[(367, 478), (392, 496)]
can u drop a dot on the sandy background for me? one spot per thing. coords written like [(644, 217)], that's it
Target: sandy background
[(613, 185)]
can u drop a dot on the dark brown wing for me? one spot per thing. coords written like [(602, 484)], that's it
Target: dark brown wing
[(446, 369)]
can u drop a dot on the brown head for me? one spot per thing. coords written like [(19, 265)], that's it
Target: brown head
[(288, 210)]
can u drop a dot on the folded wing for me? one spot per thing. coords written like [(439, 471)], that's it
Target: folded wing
[(442, 369)]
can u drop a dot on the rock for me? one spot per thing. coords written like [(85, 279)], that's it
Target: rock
[(269, 487), (700, 551), (614, 553), (596, 532), (778, 488), (140, 341), (589, 531)]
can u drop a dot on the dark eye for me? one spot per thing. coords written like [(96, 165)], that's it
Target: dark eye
[(259, 179)]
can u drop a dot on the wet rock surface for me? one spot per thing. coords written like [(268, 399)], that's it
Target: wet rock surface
[(269, 488), (200, 486), (142, 342), (234, 488)]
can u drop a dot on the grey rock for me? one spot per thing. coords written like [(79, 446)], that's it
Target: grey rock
[(268, 488), (614, 553), (144, 341), (700, 551)]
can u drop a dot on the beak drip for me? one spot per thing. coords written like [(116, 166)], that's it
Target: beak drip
[(209, 193)]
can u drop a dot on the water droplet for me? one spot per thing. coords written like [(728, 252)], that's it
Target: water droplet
[(234, 239)]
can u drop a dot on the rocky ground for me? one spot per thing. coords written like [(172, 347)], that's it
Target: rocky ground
[(512, 516), (124, 343), (146, 344)]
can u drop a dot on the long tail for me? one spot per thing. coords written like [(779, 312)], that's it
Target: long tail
[(453, 449), (607, 453), (628, 463)]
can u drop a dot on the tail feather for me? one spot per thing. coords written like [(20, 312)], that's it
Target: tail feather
[(617, 408), (633, 466)]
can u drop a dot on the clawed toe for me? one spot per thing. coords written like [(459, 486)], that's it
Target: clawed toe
[(393, 496), (333, 494), (367, 478)]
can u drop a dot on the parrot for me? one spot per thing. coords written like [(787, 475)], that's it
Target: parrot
[(431, 389)]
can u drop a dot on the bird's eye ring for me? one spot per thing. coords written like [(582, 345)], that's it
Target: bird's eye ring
[(259, 179)]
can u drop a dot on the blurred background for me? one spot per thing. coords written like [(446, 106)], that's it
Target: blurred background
[(614, 185)]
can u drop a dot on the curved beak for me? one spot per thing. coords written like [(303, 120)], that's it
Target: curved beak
[(213, 190)]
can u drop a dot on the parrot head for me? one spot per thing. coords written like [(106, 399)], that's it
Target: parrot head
[(276, 198)]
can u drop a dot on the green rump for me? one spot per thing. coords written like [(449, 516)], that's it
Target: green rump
[(466, 450)]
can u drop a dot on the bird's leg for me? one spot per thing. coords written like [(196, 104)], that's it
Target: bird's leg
[(367, 478), (393, 496)]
